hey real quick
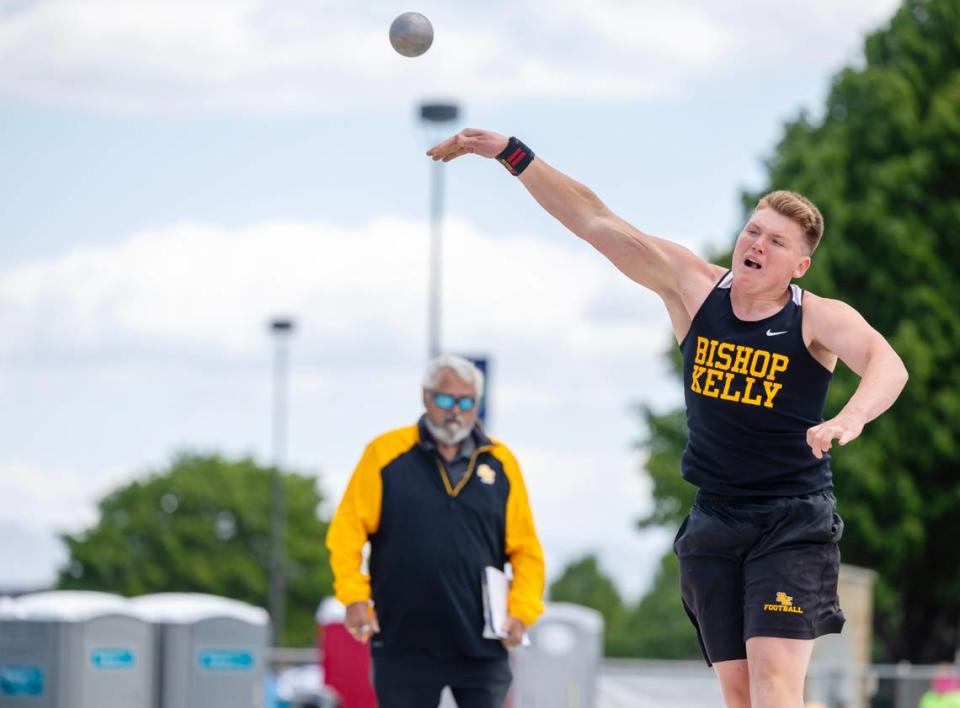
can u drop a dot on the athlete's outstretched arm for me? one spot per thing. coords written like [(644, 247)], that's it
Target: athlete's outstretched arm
[(665, 267), (842, 330)]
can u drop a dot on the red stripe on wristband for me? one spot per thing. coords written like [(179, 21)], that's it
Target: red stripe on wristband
[(516, 156)]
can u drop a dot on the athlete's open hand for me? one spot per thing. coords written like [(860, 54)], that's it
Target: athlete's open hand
[(843, 429), (361, 620), (469, 141)]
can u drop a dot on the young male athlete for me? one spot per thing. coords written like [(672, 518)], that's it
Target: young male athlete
[(758, 551)]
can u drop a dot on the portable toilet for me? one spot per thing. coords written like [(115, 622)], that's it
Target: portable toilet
[(562, 663), (211, 650), (72, 649)]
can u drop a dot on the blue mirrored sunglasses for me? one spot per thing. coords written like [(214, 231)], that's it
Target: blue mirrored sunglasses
[(447, 402)]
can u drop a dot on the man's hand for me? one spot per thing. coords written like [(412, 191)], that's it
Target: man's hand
[(843, 429), (469, 141), (361, 620), (514, 629)]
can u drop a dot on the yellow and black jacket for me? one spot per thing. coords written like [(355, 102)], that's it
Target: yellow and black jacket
[(429, 543)]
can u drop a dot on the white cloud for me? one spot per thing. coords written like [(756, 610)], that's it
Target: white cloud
[(672, 34), (44, 498), (122, 355), (198, 286), (254, 56), (28, 559), (818, 35), (589, 504)]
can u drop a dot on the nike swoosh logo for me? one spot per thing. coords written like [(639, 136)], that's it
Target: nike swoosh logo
[(771, 333)]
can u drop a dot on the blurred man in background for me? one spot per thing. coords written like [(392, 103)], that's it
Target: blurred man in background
[(438, 501)]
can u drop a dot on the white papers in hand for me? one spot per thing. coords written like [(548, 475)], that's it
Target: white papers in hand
[(495, 590)]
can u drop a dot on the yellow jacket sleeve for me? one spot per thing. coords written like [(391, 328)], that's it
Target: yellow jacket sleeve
[(525, 601), (356, 518)]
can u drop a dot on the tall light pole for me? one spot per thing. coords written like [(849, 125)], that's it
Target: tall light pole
[(436, 115), (281, 328)]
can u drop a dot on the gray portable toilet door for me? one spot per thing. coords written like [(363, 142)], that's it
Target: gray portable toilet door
[(227, 657), (117, 667), (30, 664)]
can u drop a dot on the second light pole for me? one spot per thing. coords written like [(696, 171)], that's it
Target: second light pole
[(281, 328), (437, 115)]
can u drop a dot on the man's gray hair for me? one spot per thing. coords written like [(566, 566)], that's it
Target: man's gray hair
[(463, 368)]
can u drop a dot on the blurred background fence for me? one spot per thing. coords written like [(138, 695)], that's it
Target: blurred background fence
[(649, 683)]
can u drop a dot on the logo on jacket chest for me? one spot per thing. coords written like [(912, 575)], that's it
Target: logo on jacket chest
[(487, 474), (737, 373)]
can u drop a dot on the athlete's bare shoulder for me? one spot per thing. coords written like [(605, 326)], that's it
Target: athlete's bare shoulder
[(715, 272), (695, 284), (821, 311), (831, 328)]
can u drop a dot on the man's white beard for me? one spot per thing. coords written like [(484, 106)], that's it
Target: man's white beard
[(450, 433)]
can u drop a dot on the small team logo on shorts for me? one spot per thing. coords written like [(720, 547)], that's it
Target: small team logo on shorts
[(784, 603), (486, 474)]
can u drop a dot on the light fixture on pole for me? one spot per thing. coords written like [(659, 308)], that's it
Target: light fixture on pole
[(437, 115), (282, 329)]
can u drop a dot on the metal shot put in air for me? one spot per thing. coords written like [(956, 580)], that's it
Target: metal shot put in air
[(411, 34)]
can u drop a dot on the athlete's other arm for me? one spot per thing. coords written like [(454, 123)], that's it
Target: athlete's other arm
[(837, 328), (681, 278)]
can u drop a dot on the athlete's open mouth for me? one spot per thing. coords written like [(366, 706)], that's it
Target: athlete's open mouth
[(750, 263)]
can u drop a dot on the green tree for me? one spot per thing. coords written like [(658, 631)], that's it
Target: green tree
[(657, 627), (584, 583), (883, 165), (202, 525), (664, 443)]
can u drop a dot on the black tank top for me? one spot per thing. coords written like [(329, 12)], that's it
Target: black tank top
[(752, 390)]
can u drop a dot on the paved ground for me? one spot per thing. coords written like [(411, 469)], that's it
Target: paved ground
[(657, 685), (622, 684)]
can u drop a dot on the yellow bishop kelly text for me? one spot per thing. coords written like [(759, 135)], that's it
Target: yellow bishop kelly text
[(736, 373)]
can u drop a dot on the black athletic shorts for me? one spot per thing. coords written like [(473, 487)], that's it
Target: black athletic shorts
[(759, 567)]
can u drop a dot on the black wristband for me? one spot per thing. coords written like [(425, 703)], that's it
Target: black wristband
[(515, 157)]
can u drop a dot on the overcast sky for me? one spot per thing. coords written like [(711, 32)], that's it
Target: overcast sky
[(174, 173)]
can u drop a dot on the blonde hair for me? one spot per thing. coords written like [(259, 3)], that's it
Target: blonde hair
[(799, 209)]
